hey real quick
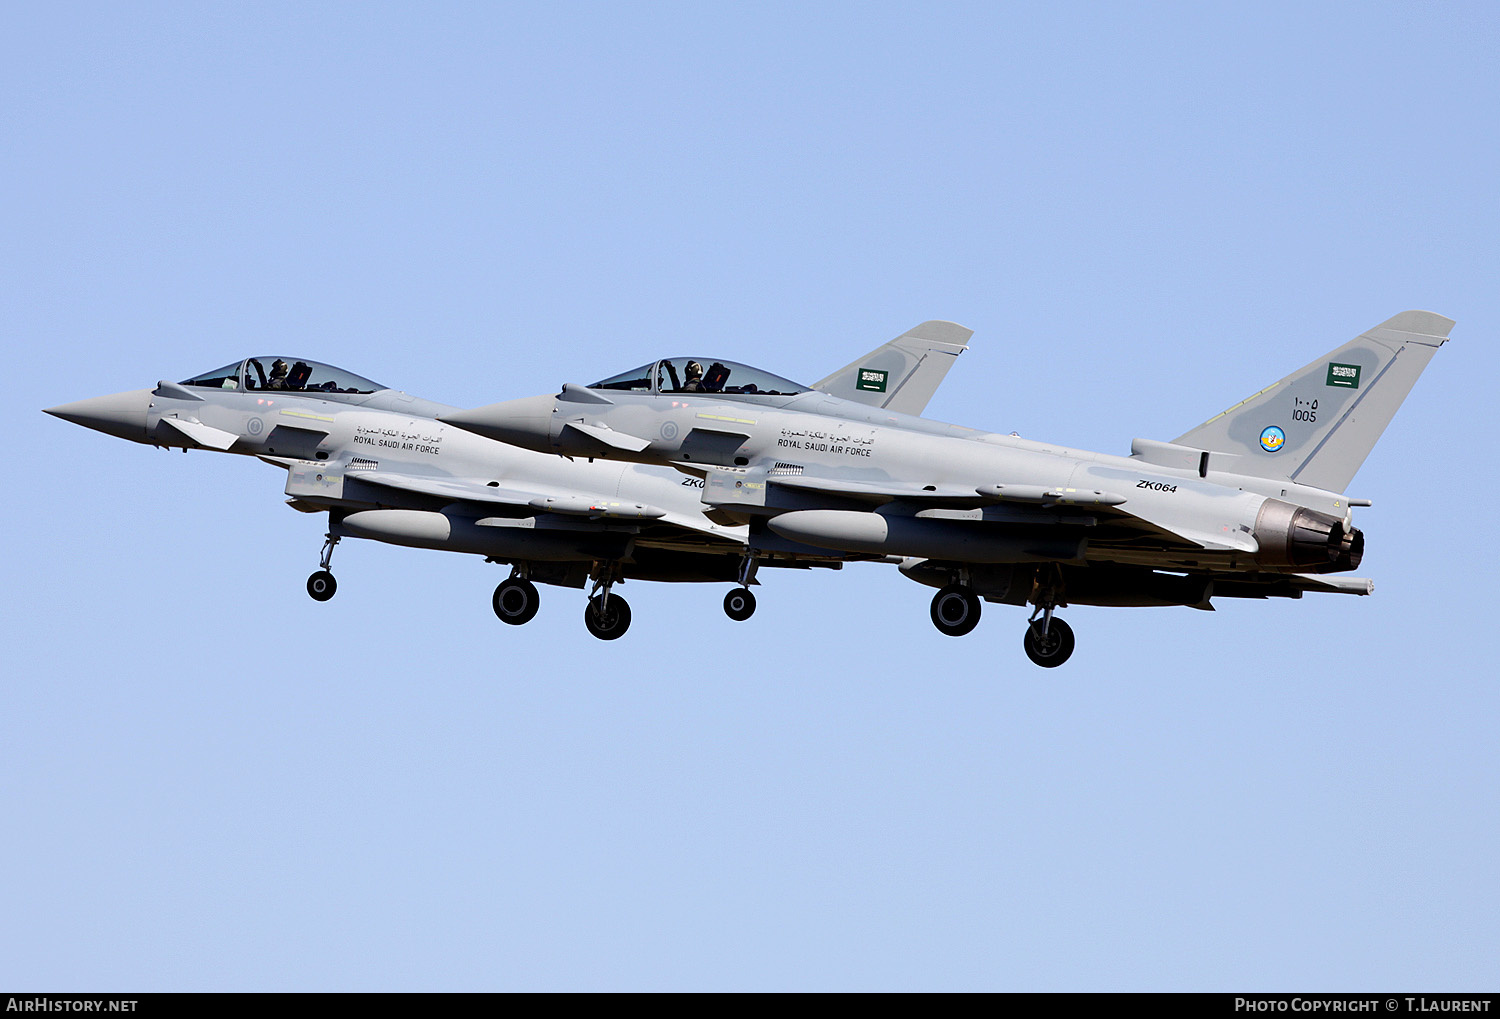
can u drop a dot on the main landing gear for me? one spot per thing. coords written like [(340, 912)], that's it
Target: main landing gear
[(607, 616), (516, 600), (321, 585), (1048, 640), (955, 610), (739, 604)]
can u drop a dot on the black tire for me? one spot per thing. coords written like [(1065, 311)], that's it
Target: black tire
[(739, 604), (955, 610), (612, 622), (1055, 649), (321, 585), (516, 601)]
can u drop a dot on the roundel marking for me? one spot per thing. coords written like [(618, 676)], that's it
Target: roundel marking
[(669, 430), (1272, 439), (255, 426)]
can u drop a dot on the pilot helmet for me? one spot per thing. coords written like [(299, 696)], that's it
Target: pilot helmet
[(693, 368), (278, 367)]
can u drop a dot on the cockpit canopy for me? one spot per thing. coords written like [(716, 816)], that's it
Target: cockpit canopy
[(284, 373), (701, 375)]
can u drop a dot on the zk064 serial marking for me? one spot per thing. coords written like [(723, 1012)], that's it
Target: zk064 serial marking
[(1156, 486)]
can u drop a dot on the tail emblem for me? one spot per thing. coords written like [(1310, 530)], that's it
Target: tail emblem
[(1345, 376), (1272, 439)]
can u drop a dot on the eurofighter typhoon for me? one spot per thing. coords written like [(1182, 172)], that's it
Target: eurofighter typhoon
[(382, 465), (1250, 504)]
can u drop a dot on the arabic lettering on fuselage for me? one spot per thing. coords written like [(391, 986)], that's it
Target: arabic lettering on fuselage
[(398, 439), (816, 441)]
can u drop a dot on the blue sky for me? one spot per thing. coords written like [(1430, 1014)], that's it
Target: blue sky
[(1146, 212)]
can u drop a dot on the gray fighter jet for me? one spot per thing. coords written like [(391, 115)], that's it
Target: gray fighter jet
[(1249, 504), (383, 466)]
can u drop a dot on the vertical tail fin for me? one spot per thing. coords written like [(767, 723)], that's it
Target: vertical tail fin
[(903, 374), (1317, 425)]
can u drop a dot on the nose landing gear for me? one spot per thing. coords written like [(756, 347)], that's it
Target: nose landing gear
[(739, 604), (321, 585)]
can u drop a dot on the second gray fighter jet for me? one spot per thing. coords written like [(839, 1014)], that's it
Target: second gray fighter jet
[(1249, 504)]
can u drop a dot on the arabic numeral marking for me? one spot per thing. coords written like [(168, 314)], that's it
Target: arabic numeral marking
[(1305, 415)]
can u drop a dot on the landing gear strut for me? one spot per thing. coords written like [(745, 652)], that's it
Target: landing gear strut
[(739, 604), (516, 600), (1049, 640), (607, 616), (955, 610), (321, 585)]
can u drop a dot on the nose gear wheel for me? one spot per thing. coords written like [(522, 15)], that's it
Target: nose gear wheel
[(321, 585), (739, 604)]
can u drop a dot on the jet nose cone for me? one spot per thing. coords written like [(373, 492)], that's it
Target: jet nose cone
[(122, 414), (526, 423)]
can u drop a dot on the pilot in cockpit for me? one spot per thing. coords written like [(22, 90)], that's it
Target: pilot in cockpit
[(278, 375), (692, 378)]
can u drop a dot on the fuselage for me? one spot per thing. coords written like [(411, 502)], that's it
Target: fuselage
[(810, 452), (330, 442), (393, 431)]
